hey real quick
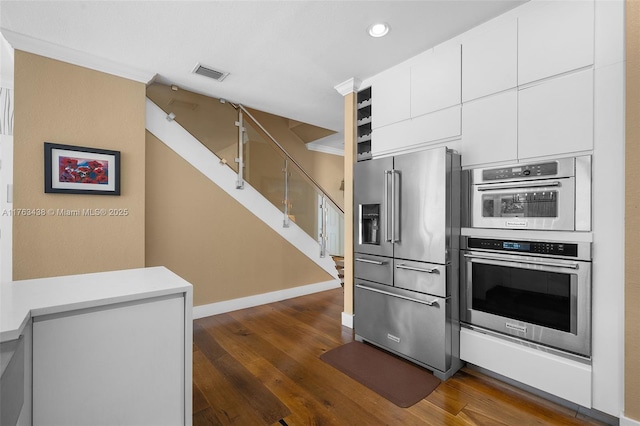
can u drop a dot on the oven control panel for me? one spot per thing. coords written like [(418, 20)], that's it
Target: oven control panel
[(534, 247), (523, 171)]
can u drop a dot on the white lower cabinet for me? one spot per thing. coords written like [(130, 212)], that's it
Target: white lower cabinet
[(114, 365), (556, 116), (562, 377), (490, 129)]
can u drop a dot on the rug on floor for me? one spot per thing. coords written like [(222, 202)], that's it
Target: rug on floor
[(393, 378)]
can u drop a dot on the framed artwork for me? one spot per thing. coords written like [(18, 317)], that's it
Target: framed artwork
[(78, 170)]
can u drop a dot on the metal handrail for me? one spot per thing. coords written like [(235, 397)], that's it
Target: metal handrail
[(289, 157)]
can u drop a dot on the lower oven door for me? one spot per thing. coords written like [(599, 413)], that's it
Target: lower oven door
[(543, 300)]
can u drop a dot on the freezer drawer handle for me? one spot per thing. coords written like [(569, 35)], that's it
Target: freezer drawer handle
[(413, 268), (387, 293), (373, 262)]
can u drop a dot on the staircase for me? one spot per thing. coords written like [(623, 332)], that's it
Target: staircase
[(339, 261), (215, 168)]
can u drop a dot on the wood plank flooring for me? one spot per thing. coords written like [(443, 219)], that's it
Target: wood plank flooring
[(261, 366)]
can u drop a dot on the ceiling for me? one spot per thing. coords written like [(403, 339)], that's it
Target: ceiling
[(284, 57)]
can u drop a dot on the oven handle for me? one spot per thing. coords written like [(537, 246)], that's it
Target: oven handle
[(388, 293), (528, 262), (373, 262), (518, 185), (413, 268)]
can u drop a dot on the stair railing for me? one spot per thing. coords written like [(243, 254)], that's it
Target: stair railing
[(325, 201), (259, 159)]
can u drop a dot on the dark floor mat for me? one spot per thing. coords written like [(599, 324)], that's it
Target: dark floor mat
[(396, 379)]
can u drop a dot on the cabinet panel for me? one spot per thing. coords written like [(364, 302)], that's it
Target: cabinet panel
[(490, 62), (558, 376), (122, 364), (390, 138), (490, 129), (435, 81), (556, 38), (556, 117), (435, 126), (420, 130), (391, 102)]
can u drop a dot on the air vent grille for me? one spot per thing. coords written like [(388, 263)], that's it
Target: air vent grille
[(210, 72)]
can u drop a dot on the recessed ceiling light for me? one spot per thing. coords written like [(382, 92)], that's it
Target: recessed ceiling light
[(378, 30)]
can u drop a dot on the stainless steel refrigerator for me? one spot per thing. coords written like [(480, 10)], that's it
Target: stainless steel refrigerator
[(406, 236)]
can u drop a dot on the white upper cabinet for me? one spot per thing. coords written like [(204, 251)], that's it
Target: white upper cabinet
[(490, 61), (490, 129), (556, 117), (556, 38), (435, 81), (392, 94), (407, 134)]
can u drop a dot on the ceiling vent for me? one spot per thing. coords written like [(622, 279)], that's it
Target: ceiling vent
[(210, 72)]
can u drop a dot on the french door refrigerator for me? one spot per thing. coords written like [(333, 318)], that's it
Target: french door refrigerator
[(406, 240)]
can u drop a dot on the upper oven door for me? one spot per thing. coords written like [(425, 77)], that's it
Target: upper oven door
[(547, 204), (545, 300)]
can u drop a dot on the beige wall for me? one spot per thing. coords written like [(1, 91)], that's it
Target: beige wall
[(632, 223), (202, 234), (62, 103)]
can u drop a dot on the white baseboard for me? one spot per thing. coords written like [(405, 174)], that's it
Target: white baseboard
[(261, 299), (625, 421), (347, 320)]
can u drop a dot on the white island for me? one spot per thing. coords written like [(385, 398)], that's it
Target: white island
[(103, 349)]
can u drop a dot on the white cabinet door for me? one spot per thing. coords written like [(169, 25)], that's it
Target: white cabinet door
[(115, 365), (391, 138), (554, 39), (490, 129), (435, 81), (436, 126), (391, 97), (417, 131), (490, 61), (556, 117)]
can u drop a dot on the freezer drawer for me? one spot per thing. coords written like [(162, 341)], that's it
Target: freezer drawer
[(422, 277), (410, 324), (373, 268)]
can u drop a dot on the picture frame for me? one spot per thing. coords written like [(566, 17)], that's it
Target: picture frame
[(70, 169)]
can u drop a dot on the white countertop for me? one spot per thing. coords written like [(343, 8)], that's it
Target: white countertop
[(22, 300)]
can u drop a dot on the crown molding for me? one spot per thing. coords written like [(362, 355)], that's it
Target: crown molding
[(76, 57), (332, 144), (348, 86), (325, 149)]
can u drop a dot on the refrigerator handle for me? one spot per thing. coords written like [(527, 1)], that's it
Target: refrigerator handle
[(396, 181), (388, 206)]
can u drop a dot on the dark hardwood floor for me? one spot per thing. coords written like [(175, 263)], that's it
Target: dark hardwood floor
[(261, 366)]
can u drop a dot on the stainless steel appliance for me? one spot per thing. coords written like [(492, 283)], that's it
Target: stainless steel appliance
[(547, 195), (406, 236), (534, 291)]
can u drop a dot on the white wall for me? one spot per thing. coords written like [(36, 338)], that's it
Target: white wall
[(6, 158)]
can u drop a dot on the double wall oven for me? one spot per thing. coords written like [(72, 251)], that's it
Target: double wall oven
[(533, 287)]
